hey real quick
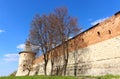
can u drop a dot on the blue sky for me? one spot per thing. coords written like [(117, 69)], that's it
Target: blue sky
[(16, 17)]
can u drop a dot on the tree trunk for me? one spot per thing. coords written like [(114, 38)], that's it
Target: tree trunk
[(45, 69), (28, 72), (65, 66), (52, 64)]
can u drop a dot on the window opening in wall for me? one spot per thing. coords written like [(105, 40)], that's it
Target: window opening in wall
[(82, 40), (98, 33), (109, 31)]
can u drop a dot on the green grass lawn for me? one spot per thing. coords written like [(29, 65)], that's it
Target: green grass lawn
[(100, 77), (40, 77), (62, 77)]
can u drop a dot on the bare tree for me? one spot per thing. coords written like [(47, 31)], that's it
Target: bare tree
[(67, 27), (27, 65), (47, 32), (54, 37), (39, 36)]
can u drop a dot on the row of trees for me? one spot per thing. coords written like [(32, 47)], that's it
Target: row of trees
[(49, 31)]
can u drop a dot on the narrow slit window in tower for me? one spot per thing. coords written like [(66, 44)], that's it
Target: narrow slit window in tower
[(109, 32), (98, 33), (82, 40)]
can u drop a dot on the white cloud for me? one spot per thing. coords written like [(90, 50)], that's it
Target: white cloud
[(11, 57), (21, 46), (1, 31), (98, 21)]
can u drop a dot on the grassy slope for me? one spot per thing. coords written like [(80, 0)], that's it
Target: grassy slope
[(101, 77), (39, 77)]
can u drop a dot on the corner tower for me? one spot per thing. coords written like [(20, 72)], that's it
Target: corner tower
[(26, 58)]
